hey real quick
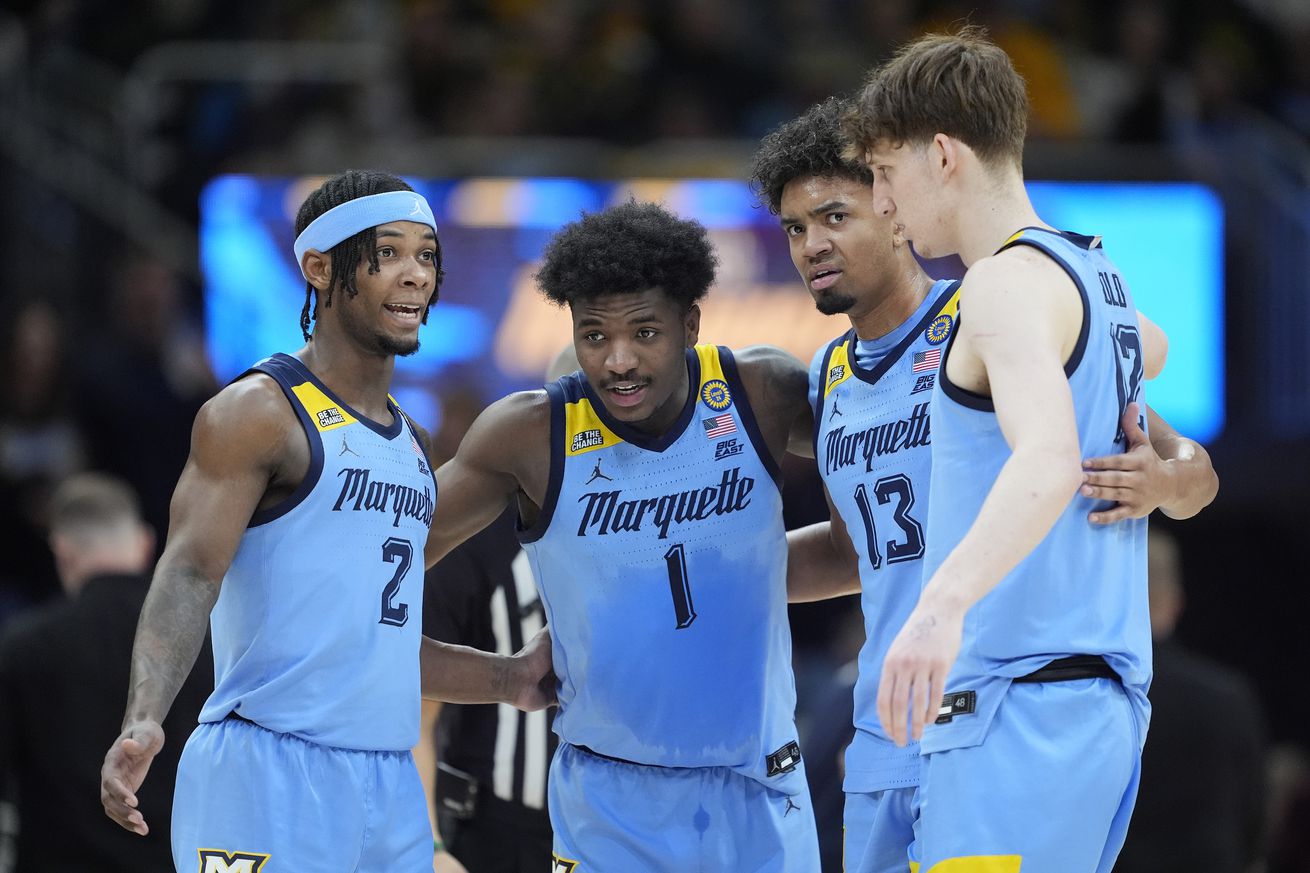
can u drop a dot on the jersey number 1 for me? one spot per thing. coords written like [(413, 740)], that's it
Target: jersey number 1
[(393, 551), (680, 586)]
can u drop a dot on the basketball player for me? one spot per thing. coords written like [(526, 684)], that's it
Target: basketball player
[(296, 522), (647, 489), (1032, 621), (870, 388)]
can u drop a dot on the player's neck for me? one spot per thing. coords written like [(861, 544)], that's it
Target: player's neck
[(995, 214), (361, 380), (909, 289)]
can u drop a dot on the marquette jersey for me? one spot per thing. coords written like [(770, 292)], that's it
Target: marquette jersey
[(313, 632), (872, 445), (1082, 591), (662, 566)]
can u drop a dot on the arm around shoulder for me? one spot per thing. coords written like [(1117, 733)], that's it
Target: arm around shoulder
[(505, 452), (778, 386)]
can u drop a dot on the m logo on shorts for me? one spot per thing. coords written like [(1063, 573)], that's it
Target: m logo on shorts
[(562, 865), (218, 861)]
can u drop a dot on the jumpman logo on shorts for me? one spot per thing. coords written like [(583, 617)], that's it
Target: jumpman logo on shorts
[(790, 806), (597, 474), (835, 411), (345, 448)]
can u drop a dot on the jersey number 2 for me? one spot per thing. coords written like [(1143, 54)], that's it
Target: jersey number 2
[(393, 551)]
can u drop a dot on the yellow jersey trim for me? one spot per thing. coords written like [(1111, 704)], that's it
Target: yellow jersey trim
[(839, 367), (584, 431), (979, 864), (323, 410)]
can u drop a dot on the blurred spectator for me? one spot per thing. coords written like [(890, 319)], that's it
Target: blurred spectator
[(142, 379), (1200, 807), (39, 444), (63, 687), (1289, 810)]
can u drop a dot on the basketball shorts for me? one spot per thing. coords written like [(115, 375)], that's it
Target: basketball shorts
[(878, 830), (1051, 787), (613, 816), (249, 800)]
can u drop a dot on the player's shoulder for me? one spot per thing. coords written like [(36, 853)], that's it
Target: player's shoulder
[(773, 377), (513, 421), (769, 362), (1019, 262), (1021, 272), (251, 413)]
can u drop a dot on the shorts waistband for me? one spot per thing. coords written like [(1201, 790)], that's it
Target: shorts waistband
[(595, 754), (1071, 668)]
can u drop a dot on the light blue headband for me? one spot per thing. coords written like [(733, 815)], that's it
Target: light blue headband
[(344, 221)]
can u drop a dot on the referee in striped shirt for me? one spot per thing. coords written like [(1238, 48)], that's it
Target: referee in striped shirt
[(490, 798)]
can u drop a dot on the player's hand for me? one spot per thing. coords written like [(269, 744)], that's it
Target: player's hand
[(915, 669), (444, 862), (1137, 481), (536, 676), (125, 768)]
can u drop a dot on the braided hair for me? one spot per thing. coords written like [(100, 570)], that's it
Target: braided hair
[(347, 254)]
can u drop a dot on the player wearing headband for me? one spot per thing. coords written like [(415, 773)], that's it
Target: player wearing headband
[(294, 532)]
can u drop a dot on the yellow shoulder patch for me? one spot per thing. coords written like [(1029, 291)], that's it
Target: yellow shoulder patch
[(979, 864), (713, 390), (839, 368), (583, 429), (323, 410)]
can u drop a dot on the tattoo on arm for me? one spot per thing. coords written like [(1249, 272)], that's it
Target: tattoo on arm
[(924, 627), (168, 639), (502, 678)]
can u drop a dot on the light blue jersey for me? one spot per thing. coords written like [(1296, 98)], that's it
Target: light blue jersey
[(313, 633), (872, 446), (662, 567), (1082, 590)]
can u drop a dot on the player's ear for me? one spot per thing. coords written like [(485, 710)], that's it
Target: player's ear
[(317, 269), (945, 153), (691, 321)]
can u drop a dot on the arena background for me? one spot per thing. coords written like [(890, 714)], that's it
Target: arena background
[(127, 128)]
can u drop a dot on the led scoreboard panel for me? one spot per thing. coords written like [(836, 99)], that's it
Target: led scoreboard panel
[(492, 326)]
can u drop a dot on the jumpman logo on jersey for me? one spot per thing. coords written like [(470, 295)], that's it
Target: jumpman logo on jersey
[(790, 806), (345, 448), (835, 411), (597, 474)]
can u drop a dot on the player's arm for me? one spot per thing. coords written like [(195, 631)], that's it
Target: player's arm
[(821, 561), (505, 453), (1018, 332), (425, 759), (1168, 472), (778, 387), (1155, 346), (238, 444)]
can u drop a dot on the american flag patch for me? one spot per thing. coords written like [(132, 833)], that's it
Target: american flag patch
[(719, 425), (928, 360)]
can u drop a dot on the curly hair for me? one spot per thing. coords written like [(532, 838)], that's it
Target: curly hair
[(811, 145), (347, 254), (625, 249)]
